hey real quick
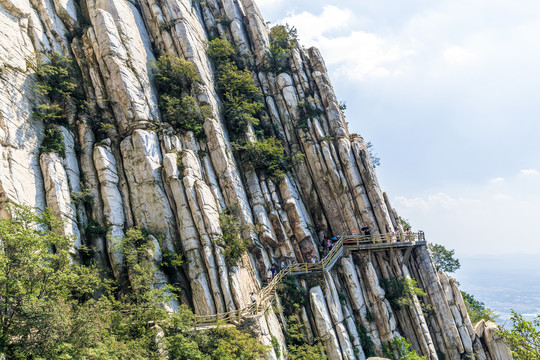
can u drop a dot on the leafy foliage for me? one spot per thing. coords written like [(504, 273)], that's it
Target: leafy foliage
[(443, 258), (175, 75), (524, 337), (53, 141), (296, 296), (221, 51), (400, 349), (242, 99), (41, 290), (307, 110), (266, 155), (405, 224), (477, 310), (367, 342), (297, 346), (175, 79), (53, 308), (55, 78), (399, 292), (375, 159), (283, 39), (234, 245), (183, 113), (49, 114)]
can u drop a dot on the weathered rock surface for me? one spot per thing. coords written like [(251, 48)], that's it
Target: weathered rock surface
[(145, 174)]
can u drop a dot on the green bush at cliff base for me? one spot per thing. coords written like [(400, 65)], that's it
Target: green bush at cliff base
[(54, 308), (297, 345), (524, 337), (400, 349)]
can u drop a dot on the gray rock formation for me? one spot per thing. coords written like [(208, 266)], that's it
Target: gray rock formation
[(145, 174)]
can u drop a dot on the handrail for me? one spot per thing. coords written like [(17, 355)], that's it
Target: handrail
[(267, 294)]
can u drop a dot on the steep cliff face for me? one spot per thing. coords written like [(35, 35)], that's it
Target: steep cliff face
[(173, 184)]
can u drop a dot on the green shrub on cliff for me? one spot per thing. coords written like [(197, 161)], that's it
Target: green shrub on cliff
[(234, 246), (283, 40), (175, 79), (266, 155), (183, 113), (399, 292), (55, 78), (400, 349), (524, 337), (53, 141), (242, 100)]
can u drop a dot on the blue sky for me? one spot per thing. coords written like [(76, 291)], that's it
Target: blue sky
[(448, 93)]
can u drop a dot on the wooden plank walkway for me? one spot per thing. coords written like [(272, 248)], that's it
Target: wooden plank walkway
[(346, 244)]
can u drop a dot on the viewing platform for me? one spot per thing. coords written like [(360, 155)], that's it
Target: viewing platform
[(344, 246)]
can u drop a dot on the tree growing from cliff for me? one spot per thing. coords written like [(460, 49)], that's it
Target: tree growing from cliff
[(175, 79), (56, 79), (524, 337), (233, 244), (400, 349), (443, 258), (283, 40)]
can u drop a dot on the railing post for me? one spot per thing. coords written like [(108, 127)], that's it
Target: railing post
[(306, 268)]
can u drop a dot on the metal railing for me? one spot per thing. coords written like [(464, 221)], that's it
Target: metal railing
[(267, 294)]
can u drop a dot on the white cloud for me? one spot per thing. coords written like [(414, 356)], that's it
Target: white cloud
[(530, 172), (497, 180), (354, 54), (502, 197), (312, 27), (480, 218), (457, 55), (439, 200)]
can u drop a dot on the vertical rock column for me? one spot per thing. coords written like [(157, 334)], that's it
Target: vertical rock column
[(451, 344), (113, 206), (58, 195)]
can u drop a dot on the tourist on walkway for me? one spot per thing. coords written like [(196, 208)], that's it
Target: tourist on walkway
[(269, 275), (274, 270), (252, 298), (367, 232)]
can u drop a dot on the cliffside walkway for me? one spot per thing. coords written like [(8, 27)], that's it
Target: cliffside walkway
[(346, 244)]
